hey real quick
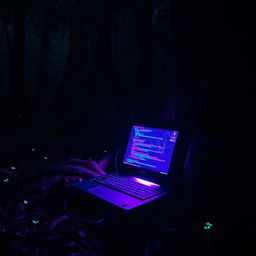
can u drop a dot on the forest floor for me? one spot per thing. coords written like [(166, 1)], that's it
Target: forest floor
[(33, 219)]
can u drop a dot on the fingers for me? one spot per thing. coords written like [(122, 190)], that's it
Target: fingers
[(96, 167), (104, 162), (88, 164), (70, 179), (79, 170), (60, 174)]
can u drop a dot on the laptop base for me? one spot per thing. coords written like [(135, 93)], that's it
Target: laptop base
[(112, 196)]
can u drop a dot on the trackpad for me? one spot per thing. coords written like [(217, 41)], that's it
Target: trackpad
[(113, 196), (99, 191)]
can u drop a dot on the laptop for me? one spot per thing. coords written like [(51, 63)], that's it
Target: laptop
[(147, 163)]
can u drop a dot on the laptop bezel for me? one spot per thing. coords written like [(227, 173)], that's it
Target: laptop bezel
[(175, 168)]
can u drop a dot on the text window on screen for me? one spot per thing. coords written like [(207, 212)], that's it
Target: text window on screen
[(151, 148)]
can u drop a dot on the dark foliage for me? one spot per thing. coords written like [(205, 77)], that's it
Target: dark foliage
[(75, 70), (33, 219)]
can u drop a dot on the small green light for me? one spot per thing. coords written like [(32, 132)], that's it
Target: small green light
[(207, 225), (25, 202), (33, 149), (45, 157), (6, 180), (105, 151), (13, 168), (35, 221)]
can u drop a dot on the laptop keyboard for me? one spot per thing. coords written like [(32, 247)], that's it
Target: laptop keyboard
[(128, 186)]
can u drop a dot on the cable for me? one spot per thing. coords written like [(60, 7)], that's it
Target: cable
[(149, 247), (117, 152), (80, 219)]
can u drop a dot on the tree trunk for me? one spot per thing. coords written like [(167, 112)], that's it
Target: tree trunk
[(72, 92), (39, 94), (106, 51), (145, 96), (18, 56)]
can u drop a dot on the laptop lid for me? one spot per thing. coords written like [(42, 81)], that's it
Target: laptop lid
[(151, 153)]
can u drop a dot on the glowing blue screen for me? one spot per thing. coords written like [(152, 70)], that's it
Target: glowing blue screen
[(151, 148)]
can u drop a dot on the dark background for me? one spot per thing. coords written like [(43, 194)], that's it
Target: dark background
[(74, 73)]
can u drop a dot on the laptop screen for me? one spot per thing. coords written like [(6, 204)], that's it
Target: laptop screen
[(150, 148)]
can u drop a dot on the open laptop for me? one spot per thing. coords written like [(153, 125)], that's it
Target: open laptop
[(147, 164)]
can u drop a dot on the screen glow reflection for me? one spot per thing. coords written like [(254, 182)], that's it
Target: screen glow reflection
[(147, 183)]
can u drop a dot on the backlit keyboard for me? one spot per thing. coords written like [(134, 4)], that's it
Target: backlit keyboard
[(128, 186)]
